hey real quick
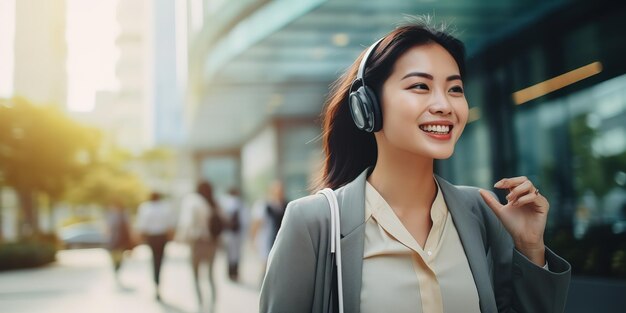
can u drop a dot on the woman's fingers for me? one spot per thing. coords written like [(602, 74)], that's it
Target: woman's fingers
[(523, 200), (508, 183), (523, 189), (492, 202), (517, 186)]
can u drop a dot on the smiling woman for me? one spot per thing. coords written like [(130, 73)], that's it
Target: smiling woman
[(411, 241), (426, 89), (91, 32)]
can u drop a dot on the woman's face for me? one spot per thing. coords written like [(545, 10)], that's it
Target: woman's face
[(423, 103)]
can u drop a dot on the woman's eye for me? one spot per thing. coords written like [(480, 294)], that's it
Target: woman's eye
[(456, 89), (419, 86)]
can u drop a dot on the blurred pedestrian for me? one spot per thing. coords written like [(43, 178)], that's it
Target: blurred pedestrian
[(234, 213), (201, 224), (267, 218), (119, 234), (155, 223)]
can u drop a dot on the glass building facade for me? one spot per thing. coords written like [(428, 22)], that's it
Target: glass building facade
[(571, 142)]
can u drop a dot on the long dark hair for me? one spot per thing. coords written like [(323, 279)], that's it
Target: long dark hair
[(206, 191), (348, 150)]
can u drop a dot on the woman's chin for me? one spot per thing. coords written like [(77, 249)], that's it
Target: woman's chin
[(442, 155)]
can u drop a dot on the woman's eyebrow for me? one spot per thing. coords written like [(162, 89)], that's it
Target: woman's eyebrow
[(428, 76), (454, 77), (418, 74)]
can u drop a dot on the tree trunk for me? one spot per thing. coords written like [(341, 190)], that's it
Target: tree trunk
[(51, 224), (28, 222), (1, 216)]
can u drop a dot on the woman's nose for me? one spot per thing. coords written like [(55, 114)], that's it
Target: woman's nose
[(441, 105)]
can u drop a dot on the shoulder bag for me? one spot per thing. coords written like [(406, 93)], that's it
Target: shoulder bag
[(336, 293)]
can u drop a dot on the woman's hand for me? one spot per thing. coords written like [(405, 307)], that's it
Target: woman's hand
[(524, 216)]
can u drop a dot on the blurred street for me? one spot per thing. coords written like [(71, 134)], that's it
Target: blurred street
[(83, 281), (128, 119)]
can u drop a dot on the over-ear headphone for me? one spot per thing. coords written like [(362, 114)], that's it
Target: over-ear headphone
[(364, 107)]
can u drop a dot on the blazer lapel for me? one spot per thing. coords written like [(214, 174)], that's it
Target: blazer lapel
[(468, 226), (351, 200)]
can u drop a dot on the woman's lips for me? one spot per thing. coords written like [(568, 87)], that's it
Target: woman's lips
[(437, 131)]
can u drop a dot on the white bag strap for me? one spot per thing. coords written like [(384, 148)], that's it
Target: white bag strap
[(335, 239)]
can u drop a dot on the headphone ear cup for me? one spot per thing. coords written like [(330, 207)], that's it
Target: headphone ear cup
[(373, 108), (358, 109)]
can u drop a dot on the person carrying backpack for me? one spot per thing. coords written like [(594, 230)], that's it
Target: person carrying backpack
[(200, 225), (267, 218)]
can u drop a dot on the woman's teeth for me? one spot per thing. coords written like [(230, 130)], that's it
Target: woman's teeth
[(437, 129)]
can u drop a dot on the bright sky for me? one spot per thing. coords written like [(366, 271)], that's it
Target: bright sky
[(7, 33), (91, 32)]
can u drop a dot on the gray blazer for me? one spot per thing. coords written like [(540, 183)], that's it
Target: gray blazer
[(298, 271)]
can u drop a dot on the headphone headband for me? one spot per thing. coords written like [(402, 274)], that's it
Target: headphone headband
[(361, 72)]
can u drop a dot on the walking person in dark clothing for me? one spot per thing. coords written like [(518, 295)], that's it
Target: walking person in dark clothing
[(120, 238), (267, 217), (233, 210), (155, 222)]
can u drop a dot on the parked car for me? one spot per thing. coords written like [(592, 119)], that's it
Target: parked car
[(83, 235)]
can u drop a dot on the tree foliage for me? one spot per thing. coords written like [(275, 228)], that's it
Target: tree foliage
[(40, 148), (105, 185), (44, 151)]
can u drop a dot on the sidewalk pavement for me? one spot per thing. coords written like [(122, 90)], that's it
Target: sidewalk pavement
[(83, 281)]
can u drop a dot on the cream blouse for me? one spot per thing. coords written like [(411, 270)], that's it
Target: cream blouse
[(400, 276)]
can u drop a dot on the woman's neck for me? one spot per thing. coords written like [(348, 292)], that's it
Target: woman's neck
[(404, 180)]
